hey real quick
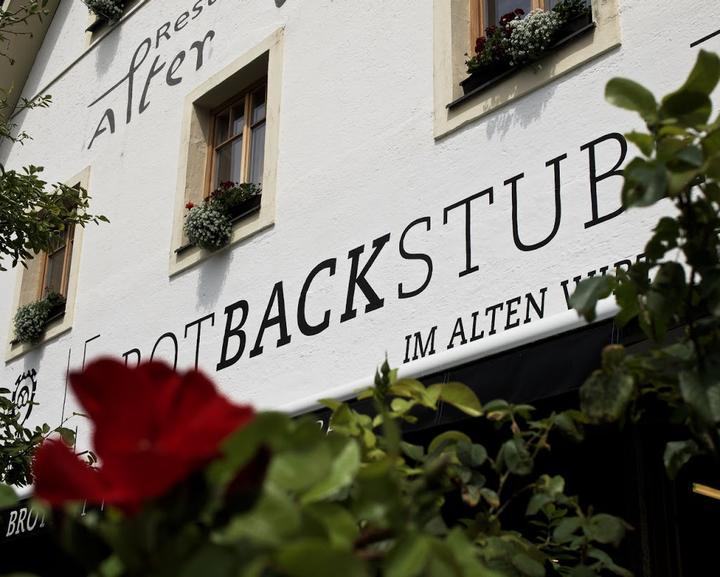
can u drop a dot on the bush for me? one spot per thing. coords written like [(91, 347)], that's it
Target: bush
[(30, 320), (110, 10), (207, 226), (531, 36)]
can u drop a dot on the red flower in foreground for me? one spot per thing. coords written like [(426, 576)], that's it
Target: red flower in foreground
[(190, 204), (153, 427)]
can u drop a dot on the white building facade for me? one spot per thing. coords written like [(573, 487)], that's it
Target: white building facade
[(397, 217)]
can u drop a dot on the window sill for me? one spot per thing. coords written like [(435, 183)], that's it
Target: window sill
[(479, 82), (453, 110)]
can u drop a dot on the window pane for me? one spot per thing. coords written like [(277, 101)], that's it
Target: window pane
[(257, 153), (54, 272), (238, 112), (222, 121), (236, 172), (258, 104), (502, 7), (223, 164)]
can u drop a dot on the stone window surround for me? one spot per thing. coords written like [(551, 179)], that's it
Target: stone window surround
[(451, 43), (60, 325), (263, 59)]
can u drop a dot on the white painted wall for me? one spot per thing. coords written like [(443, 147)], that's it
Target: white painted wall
[(357, 160)]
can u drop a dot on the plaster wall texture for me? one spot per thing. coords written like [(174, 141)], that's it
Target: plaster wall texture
[(357, 160)]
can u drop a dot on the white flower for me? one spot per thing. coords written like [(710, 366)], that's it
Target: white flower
[(532, 35)]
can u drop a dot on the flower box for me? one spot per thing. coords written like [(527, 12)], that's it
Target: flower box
[(484, 76), (573, 26), (245, 208), (491, 74)]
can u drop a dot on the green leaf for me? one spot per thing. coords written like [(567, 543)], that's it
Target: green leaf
[(705, 74), (646, 182), (606, 529), (67, 435), (8, 498), (677, 454), (645, 142), (459, 396), (273, 520), (409, 557), (566, 529), (604, 397), (342, 472), (316, 558), (516, 456), (695, 395), (471, 454), (588, 293), (686, 108), (415, 452), (447, 438), (341, 527), (630, 95), (528, 566), (537, 502)]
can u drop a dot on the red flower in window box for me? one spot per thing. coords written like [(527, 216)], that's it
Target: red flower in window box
[(190, 204), (153, 428)]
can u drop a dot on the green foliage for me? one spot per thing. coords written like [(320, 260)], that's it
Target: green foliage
[(31, 215), (569, 9), (678, 284), (12, 22), (208, 225), (287, 498), (30, 320), (17, 445), (110, 10)]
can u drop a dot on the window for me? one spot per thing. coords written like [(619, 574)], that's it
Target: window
[(55, 271), (483, 13), (230, 134), (238, 150), (457, 25)]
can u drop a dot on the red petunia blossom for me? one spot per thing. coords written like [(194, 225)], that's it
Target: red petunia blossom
[(190, 204), (153, 427)]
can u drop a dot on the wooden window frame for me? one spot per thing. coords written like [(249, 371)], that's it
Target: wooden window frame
[(479, 17), (248, 127), (67, 260)]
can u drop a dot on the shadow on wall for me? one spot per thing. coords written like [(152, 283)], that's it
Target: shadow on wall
[(106, 50), (211, 281), (529, 108)]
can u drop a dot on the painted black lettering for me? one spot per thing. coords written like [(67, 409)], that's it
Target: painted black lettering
[(199, 323), (268, 321), (154, 71), (469, 268), (305, 327), (135, 352), (493, 309), (174, 340), (110, 115), (427, 348), (458, 332), (595, 178), (359, 280), (172, 69), (231, 331), (415, 256), (555, 162), (530, 301), (181, 21), (200, 47), (197, 9), (162, 32)]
